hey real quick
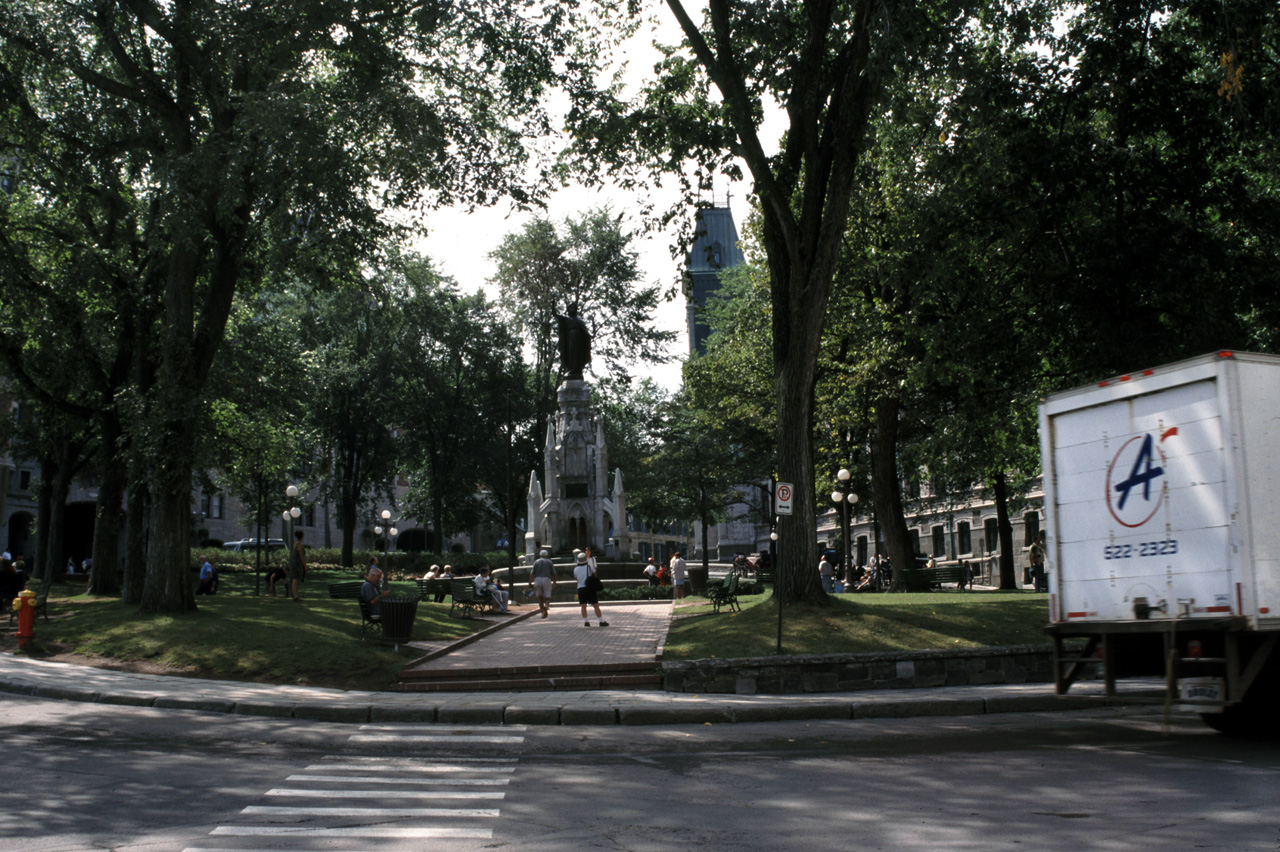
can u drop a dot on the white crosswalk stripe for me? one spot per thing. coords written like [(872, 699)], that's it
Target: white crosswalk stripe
[(427, 798)]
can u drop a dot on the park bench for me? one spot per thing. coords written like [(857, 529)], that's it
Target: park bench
[(345, 590), (923, 579), (350, 590), (767, 576), (368, 624), (433, 590), (464, 597), (725, 594)]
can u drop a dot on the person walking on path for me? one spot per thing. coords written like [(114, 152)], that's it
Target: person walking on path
[(586, 591), (677, 574), (208, 578), (298, 566), (542, 577)]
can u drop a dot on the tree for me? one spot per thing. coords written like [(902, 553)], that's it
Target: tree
[(695, 473), (462, 396), (350, 338), (587, 264), (824, 64), (236, 128)]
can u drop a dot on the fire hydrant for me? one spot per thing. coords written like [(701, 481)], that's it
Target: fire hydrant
[(25, 605)]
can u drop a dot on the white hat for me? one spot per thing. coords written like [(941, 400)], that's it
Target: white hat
[(582, 558)]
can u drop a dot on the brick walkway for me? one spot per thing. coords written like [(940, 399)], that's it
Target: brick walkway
[(635, 634)]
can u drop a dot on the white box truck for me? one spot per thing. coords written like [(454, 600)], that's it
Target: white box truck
[(1162, 503)]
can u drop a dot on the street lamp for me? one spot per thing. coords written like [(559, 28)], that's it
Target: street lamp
[(392, 532), (845, 499), (777, 577), (291, 514)]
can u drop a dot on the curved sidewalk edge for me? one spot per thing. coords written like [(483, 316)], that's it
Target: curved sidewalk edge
[(63, 681)]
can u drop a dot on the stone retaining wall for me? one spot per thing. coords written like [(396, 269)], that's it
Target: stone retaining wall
[(802, 673)]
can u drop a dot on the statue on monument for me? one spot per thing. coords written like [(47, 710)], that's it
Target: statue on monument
[(575, 342)]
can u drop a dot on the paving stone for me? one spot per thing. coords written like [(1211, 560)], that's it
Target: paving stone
[(588, 715), (908, 707), (211, 705), (542, 714), (402, 713), (331, 712), (479, 713)]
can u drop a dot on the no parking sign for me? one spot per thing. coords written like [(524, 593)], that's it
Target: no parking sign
[(785, 494)]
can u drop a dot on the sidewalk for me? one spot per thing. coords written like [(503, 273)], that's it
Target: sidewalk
[(636, 632)]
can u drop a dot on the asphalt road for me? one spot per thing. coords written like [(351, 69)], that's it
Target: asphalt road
[(90, 777)]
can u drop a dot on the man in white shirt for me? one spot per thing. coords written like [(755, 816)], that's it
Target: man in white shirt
[(485, 585), (586, 596), (677, 575)]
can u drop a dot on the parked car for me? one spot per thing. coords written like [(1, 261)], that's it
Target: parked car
[(247, 545)]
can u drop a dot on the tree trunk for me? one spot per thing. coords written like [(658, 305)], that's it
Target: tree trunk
[(55, 559), (887, 490), (168, 587), (110, 519), (797, 560), (135, 556), (44, 520), (1008, 576)]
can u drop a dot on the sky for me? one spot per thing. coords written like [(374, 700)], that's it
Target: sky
[(460, 242)]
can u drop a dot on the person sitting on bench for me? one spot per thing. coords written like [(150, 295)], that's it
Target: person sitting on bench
[(370, 594)]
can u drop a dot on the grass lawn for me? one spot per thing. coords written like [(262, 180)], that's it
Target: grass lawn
[(861, 623), (236, 635)]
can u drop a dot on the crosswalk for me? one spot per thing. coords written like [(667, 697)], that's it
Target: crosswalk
[(352, 797)]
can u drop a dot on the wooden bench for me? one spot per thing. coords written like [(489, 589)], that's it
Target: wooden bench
[(725, 594), (345, 590), (368, 623), (434, 590), (350, 590), (463, 594), (923, 579), (768, 576)]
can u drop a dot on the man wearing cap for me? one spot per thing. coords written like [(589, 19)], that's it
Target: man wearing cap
[(369, 593), (542, 576), (585, 595)]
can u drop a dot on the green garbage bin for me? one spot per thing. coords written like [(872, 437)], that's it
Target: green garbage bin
[(397, 618)]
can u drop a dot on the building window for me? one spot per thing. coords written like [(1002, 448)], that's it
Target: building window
[(1030, 528), (24, 480), (914, 537), (862, 550), (939, 542), (211, 506), (965, 540), (991, 530), (308, 516)]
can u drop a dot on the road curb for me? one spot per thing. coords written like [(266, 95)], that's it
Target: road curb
[(67, 682)]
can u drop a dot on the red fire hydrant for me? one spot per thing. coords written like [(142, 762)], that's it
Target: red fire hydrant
[(25, 604)]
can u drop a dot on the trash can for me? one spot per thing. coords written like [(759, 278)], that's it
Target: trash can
[(697, 579), (397, 618)]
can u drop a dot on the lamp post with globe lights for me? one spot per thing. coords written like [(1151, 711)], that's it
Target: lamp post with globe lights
[(846, 499), (777, 578), (391, 532)]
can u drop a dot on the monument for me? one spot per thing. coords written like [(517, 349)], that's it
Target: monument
[(577, 507)]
